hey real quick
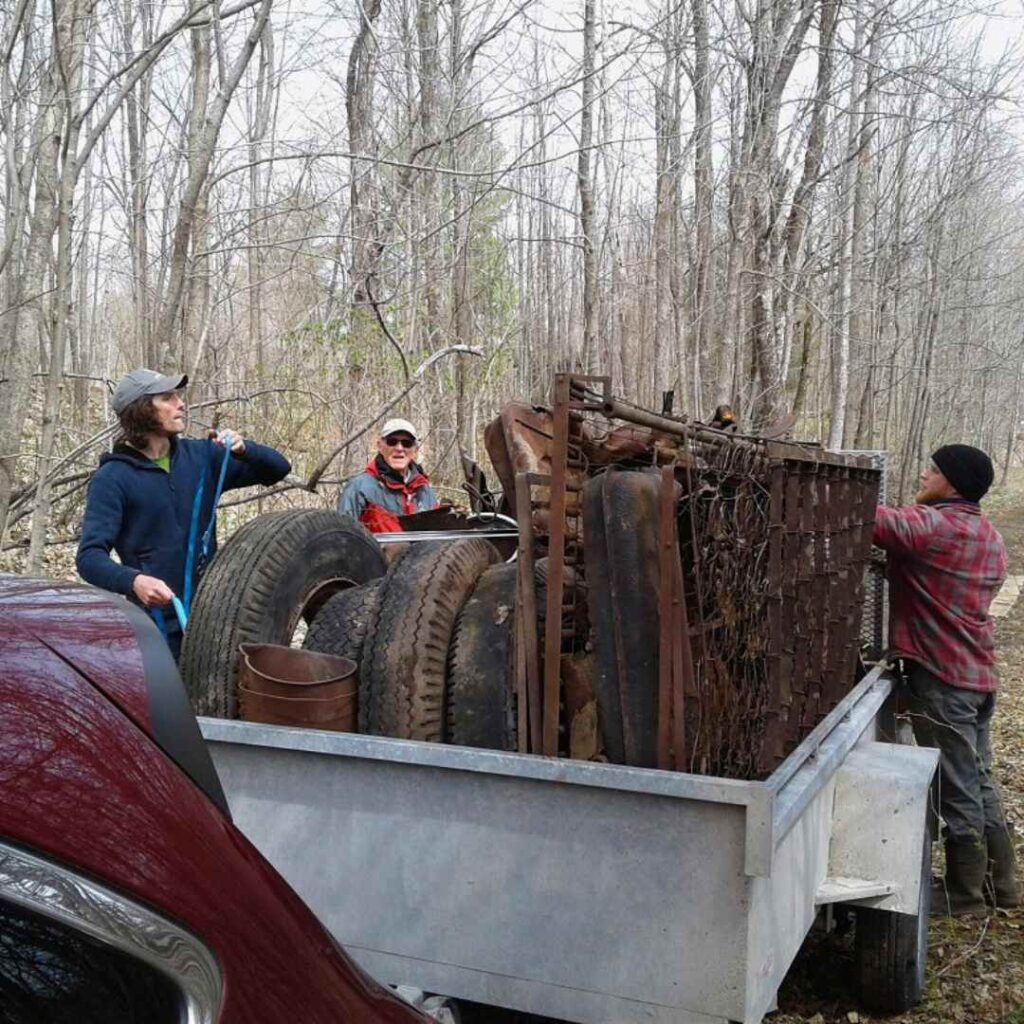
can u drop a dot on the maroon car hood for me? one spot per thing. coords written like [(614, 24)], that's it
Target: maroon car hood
[(88, 630), (83, 787)]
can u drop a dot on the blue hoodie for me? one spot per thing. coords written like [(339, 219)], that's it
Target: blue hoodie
[(144, 513)]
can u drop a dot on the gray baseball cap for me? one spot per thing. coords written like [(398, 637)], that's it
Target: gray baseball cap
[(139, 383)]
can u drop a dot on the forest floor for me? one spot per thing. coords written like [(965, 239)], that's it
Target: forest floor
[(975, 966)]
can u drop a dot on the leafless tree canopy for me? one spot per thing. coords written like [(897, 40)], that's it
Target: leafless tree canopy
[(327, 209)]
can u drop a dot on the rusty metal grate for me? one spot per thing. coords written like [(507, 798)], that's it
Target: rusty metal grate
[(874, 629), (773, 541)]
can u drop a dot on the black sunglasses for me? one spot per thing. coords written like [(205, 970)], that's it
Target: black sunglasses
[(400, 442)]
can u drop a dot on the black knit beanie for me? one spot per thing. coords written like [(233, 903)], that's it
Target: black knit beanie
[(968, 469)]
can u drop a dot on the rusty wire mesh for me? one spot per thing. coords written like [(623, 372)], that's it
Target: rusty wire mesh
[(775, 542)]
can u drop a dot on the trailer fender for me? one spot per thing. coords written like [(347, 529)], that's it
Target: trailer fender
[(879, 822)]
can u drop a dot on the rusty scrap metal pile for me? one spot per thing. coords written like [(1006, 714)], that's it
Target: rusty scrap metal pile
[(700, 600), (683, 597)]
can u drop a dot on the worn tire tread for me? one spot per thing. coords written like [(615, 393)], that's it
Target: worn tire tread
[(403, 668), (341, 625), (238, 594), (481, 678)]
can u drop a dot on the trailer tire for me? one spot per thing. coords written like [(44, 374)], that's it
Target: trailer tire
[(340, 626), (403, 670), (891, 950), (481, 680), (274, 570)]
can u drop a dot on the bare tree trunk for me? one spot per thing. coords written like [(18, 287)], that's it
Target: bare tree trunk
[(71, 34), (359, 107), (586, 194), (136, 124), (778, 32), (20, 147), (257, 177), (841, 348), (24, 317), (726, 389), (862, 290), (703, 186), (1011, 433), (461, 66), (429, 201), (203, 139), (806, 331), (665, 121), (803, 196)]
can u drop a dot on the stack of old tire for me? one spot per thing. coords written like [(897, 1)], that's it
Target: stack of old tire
[(431, 632)]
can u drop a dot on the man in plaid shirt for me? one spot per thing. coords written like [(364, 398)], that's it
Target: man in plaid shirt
[(946, 562)]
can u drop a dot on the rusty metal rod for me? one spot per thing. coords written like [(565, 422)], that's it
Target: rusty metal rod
[(666, 618), (556, 565), (528, 670), (614, 409), (798, 450)]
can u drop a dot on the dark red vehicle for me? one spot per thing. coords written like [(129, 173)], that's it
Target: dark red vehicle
[(126, 894)]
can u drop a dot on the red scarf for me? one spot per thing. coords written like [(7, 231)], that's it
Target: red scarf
[(379, 520)]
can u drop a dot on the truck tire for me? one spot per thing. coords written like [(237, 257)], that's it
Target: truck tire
[(274, 570), (481, 675), (620, 524), (403, 670), (601, 613), (482, 704), (891, 950), (340, 626)]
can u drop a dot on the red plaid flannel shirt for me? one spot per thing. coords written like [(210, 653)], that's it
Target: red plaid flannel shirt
[(946, 563)]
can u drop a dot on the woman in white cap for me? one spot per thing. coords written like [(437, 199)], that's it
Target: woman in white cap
[(143, 503), (393, 483)]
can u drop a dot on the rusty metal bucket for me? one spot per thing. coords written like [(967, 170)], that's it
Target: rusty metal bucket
[(284, 686)]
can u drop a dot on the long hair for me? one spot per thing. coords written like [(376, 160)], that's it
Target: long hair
[(137, 422)]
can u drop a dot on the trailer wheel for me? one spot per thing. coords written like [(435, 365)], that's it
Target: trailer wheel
[(275, 570), (891, 950), (481, 680), (340, 626), (402, 673)]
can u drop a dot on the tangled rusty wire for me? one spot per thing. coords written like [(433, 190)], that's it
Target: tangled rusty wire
[(774, 538)]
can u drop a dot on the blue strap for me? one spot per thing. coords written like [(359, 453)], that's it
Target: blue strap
[(193, 529), (229, 440), (184, 606), (179, 611), (190, 558)]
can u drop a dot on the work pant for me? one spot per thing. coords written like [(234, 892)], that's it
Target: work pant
[(956, 721)]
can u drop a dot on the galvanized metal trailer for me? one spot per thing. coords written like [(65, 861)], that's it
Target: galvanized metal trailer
[(589, 892)]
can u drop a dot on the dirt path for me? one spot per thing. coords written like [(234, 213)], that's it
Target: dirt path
[(975, 967)]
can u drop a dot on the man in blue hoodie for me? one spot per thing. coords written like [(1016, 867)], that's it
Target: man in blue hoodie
[(142, 501)]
